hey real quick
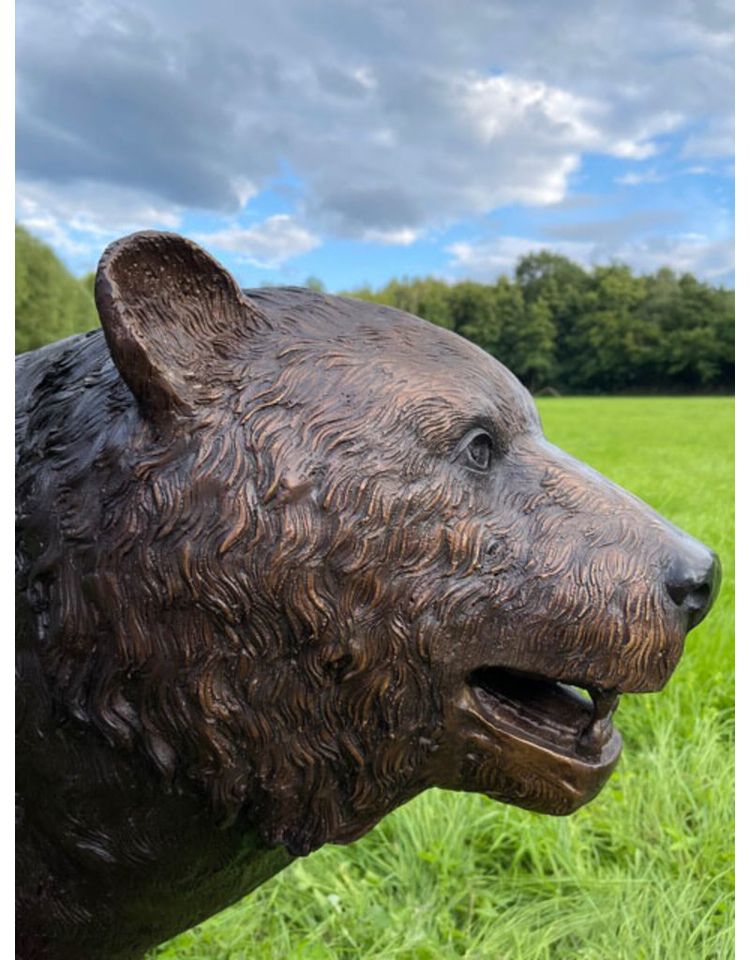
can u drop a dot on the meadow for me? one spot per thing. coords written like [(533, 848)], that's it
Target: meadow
[(645, 872)]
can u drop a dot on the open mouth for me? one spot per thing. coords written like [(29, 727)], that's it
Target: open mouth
[(563, 719)]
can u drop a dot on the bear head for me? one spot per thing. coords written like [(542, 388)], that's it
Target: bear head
[(338, 562)]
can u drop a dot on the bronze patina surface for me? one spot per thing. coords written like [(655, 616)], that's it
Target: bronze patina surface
[(285, 560)]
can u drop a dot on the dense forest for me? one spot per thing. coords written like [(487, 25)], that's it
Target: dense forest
[(605, 330), (556, 325)]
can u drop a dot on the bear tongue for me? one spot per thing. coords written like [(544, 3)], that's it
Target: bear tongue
[(547, 708), (537, 702)]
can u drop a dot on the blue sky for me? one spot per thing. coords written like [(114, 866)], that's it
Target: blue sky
[(357, 142)]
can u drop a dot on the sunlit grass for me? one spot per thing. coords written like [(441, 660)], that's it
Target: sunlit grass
[(645, 871)]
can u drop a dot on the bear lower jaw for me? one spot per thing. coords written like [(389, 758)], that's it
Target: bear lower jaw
[(531, 741)]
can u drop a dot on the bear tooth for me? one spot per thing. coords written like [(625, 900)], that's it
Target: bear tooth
[(605, 702)]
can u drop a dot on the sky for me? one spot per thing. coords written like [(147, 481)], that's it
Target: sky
[(360, 141)]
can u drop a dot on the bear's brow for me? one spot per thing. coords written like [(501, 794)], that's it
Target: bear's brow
[(444, 418)]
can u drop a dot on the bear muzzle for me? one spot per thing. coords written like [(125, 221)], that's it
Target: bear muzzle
[(533, 721)]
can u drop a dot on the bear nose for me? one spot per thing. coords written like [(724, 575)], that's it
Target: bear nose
[(693, 581)]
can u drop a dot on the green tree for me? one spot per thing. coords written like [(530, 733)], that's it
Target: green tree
[(427, 298), (694, 325), (88, 280), (475, 315), (599, 331), (723, 325), (549, 276), (608, 346), (50, 302), (528, 343), (433, 302), (697, 344)]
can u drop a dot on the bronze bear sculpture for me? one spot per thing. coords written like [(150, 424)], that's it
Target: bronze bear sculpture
[(284, 561)]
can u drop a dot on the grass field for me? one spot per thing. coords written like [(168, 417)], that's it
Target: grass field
[(645, 871)]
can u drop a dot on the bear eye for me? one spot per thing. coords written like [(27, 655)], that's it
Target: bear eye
[(476, 450)]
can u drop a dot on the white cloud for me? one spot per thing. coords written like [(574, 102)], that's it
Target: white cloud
[(95, 207), (58, 235), (715, 140), (634, 177), (399, 238), (487, 259), (81, 220), (392, 118), (708, 258), (245, 190), (366, 77), (268, 244), (500, 105)]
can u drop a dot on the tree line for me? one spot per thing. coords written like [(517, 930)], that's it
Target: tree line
[(605, 330), (556, 325)]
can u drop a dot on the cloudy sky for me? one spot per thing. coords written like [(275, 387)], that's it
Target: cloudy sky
[(355, 140)]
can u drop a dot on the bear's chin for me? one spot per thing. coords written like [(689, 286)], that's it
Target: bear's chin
[(541, 779)]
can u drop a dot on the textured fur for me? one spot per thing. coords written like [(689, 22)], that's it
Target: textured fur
[(254, 579)]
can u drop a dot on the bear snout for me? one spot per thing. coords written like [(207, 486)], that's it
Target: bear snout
[(617, 586), (693, 580)]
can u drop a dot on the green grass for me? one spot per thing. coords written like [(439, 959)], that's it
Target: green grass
[(644, 872)]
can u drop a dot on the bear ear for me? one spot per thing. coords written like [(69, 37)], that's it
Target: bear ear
[(169, 312)]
